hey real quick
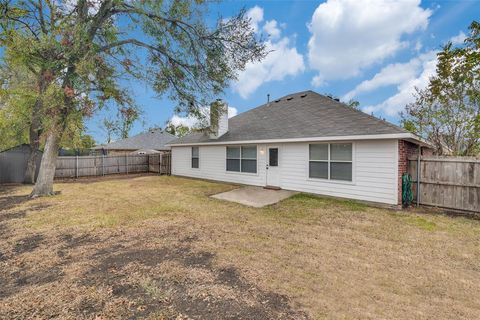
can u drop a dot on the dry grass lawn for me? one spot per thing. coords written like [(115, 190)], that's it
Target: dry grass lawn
[(159, 248)]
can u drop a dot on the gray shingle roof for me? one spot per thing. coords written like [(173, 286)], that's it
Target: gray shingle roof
[(154, 139), (299, 115)]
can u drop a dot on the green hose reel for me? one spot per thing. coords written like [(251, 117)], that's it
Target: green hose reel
[(407, 195)]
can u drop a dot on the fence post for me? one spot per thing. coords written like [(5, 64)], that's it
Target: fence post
[(103, 165), (126, 161), (169, 164), (76, 166), (418, 174)]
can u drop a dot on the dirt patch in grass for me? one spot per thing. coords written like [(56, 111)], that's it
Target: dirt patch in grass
[(113, 278), (28, 244), (177, 288), (159, 248), (8, 202)]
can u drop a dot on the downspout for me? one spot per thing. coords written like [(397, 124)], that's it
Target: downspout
[(418, 174)]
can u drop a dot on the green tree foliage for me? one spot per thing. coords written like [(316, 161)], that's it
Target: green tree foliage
[(177, 130), (121, 126), (16, 100), (110, 128), (354, 104), (126, 119), (82, 49), (447, 112)]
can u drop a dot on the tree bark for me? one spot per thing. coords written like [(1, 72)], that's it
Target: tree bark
[(34, 137), (35, 130), (44, 184)]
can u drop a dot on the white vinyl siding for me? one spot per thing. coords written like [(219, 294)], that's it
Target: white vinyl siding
[(374, 172), (213, 166), (374, 169)]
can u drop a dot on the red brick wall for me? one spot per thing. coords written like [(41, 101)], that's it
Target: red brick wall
[(406, 149)]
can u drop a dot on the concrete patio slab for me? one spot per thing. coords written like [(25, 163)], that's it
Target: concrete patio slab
[(254, 196)]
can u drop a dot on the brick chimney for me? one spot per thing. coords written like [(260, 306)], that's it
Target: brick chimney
[(218, 119)]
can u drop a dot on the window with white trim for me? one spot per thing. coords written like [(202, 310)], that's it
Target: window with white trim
[(195, 157), (332, 161), (242, 159)]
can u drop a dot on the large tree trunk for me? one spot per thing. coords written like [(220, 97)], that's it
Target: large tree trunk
[(35, 129), (44, 184)]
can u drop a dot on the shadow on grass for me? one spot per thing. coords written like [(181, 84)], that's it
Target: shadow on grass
[(8, 202), (314, 201), (113, 176), (177, 293)]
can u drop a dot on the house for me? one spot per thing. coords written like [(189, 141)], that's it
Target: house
[(153, 141), (305, 142)]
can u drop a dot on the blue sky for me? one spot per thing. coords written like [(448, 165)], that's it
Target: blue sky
[(375, 52)]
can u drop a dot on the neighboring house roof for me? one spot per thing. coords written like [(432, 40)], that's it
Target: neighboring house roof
[(145, 151), (24, 147), (300, 116), (154, 139)]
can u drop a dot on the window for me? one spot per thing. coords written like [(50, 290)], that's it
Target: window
[(331, 161), (242, 159), (273, 157), (195, 157)]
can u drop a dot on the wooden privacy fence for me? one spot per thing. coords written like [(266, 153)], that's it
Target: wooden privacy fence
[(448, 182), (160, 163), (83, 166)]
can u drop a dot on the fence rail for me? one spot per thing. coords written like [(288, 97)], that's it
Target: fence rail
[(13, 165), (448, 182), (84, 166)]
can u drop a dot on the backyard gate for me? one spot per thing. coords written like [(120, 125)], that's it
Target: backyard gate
[(448, 182), (160, 163)]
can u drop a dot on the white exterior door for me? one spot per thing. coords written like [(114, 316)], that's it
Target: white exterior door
[(273, 166)]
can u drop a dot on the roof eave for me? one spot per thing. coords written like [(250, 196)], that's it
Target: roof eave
[(418, 140), (406, 135), (164, 148)]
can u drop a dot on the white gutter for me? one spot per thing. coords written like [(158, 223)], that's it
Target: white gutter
[(410, 136)]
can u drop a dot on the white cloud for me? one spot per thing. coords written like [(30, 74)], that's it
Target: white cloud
[(191, 121), (418, 72), (349, 35), (93, 6), (392, 74), (459, 38), (256, 16), (282, 60), (418, 46), (272, 29), (317, 81)]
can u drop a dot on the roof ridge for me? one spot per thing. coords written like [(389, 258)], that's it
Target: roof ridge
[(272, 101), (343, 104)]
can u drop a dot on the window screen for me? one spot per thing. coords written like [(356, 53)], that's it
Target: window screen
[(242, 159), (195, 157), (233, 159), (331, 161)]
